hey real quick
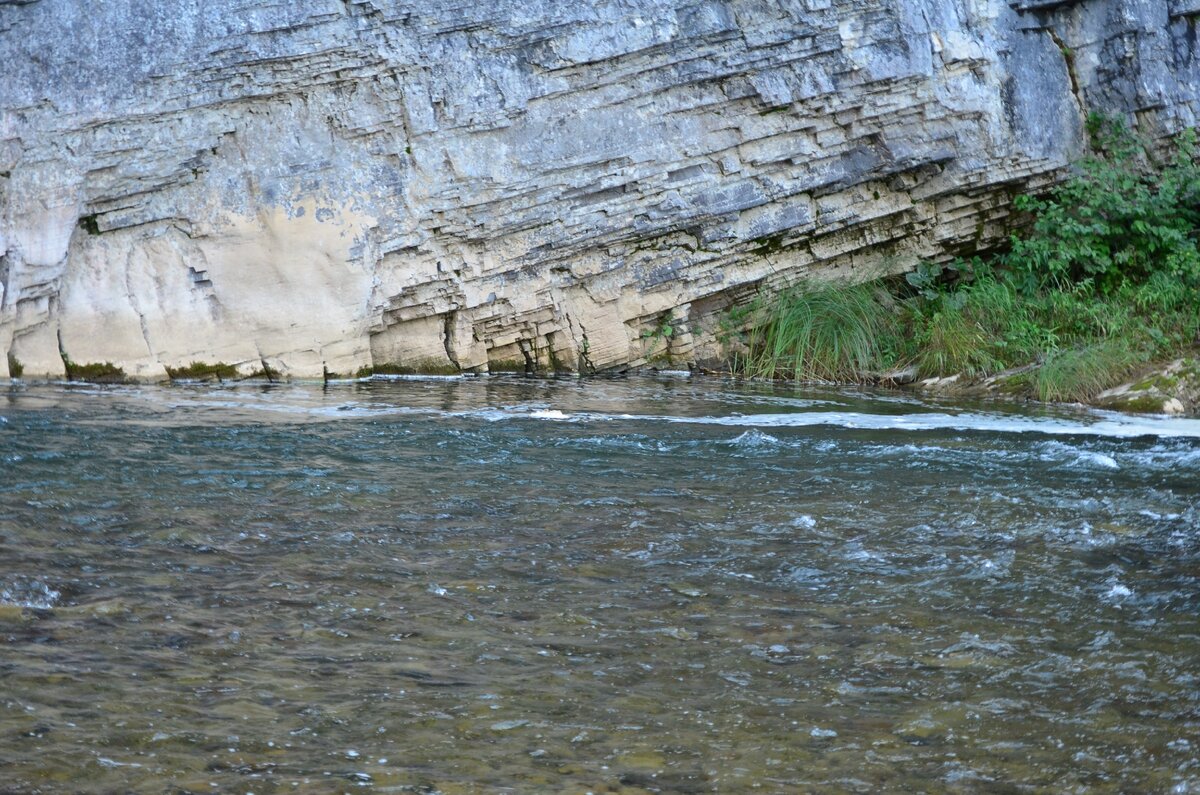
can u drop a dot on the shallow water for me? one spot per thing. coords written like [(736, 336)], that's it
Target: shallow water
[(646, 584)]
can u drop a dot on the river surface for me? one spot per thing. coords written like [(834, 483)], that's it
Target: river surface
[(652, 584)]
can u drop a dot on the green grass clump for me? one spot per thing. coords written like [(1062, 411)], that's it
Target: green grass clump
[(203, 371), (1080, 374), (423, 367), (94, 372), (819, 331), (951, 342)]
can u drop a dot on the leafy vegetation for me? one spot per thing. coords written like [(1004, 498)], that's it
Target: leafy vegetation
[(94, 372), (1107, 276), (423, 367), (658, 338), (203, 371), (1122, 221)]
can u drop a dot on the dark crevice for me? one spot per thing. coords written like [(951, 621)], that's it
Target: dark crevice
[(1069, 59), (4, 278), (62, 353), (89, 224), (525, 347), (585, 365), (447, 338), (270, 374)]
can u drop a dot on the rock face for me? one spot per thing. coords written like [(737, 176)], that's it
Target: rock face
[(446, 184), (1170, 389)]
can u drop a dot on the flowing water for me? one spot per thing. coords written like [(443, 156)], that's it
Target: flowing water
[(637, 585)]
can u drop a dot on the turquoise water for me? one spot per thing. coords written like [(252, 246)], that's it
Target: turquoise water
[(631, 585)]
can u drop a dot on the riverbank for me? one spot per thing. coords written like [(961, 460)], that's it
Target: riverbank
[(1097, 301), (1162, 388), (1170, 388), (1121, 355)]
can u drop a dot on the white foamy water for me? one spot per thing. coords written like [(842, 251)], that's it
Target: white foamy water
[(548, 414), (35, 595), (755, 438), (595, 406), (411, 377), (1105, 425)]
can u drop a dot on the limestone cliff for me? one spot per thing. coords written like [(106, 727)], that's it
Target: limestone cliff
[(322, 186)]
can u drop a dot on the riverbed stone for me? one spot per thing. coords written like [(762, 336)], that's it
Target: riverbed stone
[(1173, 388), (313, 188)]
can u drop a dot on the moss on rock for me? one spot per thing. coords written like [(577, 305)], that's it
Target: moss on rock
[(94, 372), (423, 367), (203, 371)]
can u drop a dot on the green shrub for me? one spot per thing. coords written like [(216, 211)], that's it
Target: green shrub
[(1119, 220)]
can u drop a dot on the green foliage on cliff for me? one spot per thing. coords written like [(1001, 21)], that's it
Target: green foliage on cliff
[(1106, 277), (1122, 220)]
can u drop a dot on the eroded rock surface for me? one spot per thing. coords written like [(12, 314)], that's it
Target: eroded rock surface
[(1173, 388), (325, 186)]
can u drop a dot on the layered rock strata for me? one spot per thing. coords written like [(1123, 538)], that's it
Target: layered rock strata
[(322, 187)]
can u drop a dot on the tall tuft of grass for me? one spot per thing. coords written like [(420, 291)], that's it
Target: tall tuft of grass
[(820, 331), (1079, 374), (951, 343)]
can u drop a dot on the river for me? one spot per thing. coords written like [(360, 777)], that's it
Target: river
[(642, 584)]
